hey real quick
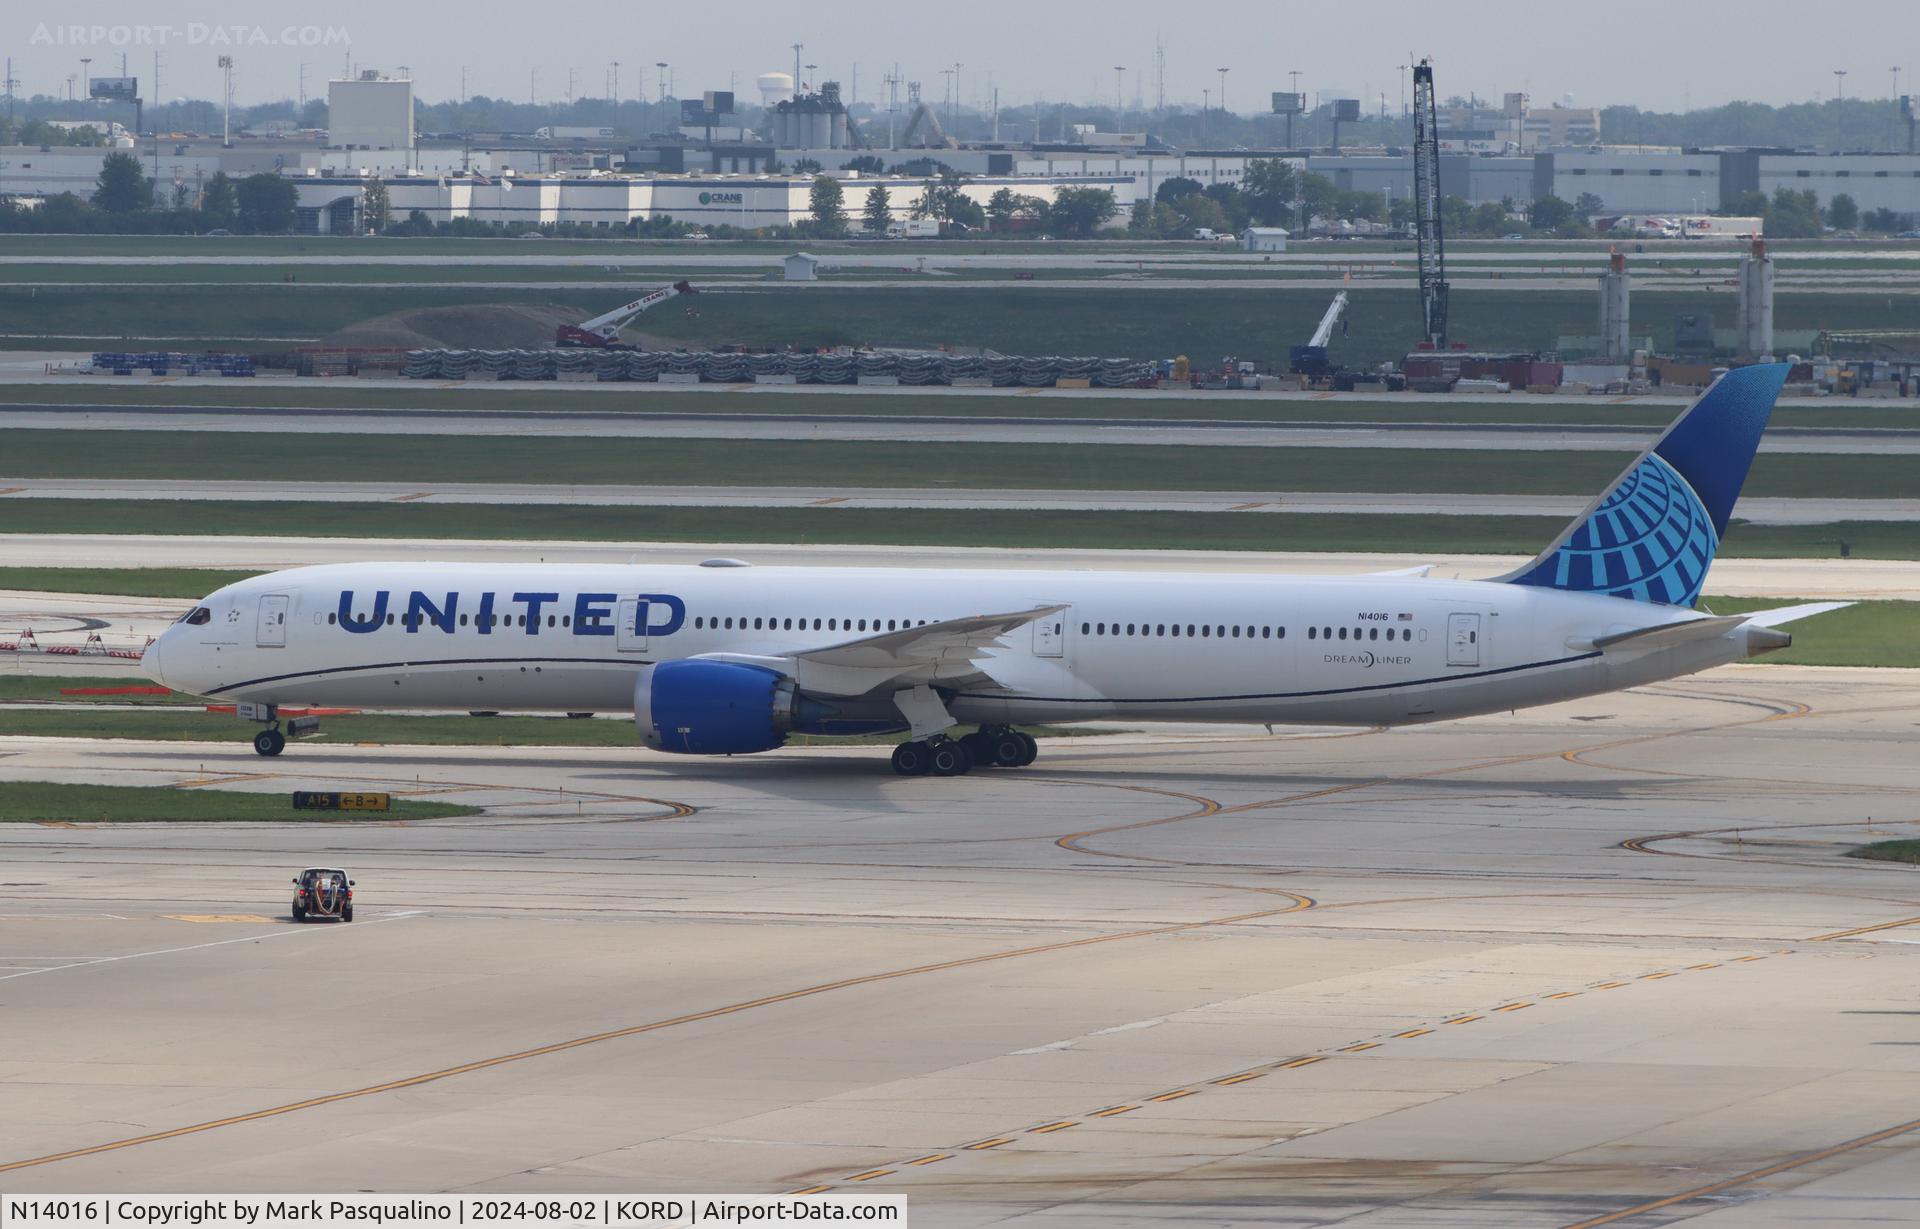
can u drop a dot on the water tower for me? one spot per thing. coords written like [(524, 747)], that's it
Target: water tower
[(774, 88)]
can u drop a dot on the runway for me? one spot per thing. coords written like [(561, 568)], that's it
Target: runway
[(918, 428), (1758, 510), (1526, 970)]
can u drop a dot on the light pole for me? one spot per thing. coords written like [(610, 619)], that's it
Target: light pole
[(616, 87), (1223, 93), (86, 74), (1839, 109), (226, 124), (662, 66), (1293, 76), (1119, 106), (1206, 105)]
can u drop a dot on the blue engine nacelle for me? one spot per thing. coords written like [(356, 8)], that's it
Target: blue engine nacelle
[(712, 707)]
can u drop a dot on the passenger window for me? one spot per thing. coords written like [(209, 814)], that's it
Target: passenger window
[(330, 619), (1205, 630), (756, 625), (1343, 633), (389, 620), (1283, 633), (1373, 633), (1086, 629), (1159, 629), (566, 620), (1100, 629)]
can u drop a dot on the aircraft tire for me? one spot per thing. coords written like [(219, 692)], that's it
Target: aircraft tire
[(269, 742), (1032, 749), (949, 758), (1007, 749), (910, 759)]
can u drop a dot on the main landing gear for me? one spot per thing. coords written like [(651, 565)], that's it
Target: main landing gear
[(987, 747)]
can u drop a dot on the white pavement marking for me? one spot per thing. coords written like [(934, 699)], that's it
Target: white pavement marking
[(194, 947)]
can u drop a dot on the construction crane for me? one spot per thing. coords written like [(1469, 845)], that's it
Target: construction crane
[(1426, 208), (1311, 359), (603, 332)]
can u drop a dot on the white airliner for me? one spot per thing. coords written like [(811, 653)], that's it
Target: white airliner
[(725, 658)]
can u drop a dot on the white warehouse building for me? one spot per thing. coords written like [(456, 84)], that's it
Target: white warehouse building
[(328, 205)]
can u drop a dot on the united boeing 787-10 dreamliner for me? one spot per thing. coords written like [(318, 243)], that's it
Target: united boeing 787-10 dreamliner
[(726, 659)]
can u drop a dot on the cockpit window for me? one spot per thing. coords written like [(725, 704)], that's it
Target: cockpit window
[(197, 616)]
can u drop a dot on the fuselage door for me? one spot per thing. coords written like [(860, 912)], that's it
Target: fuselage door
[(1050, 635), (270, 631), (1463, 640), (630, 632)]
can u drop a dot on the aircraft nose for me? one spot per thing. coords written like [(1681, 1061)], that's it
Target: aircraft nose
[(150, 661)]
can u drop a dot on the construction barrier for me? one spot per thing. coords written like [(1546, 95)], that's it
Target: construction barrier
[(170, 362)]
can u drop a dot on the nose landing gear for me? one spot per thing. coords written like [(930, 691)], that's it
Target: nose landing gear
[(272, 741)]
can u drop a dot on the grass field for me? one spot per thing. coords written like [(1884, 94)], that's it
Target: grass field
[(51, 689), (1889, 851), (1864, 634), (375, 729), (120, 582), (993, 528), (588, 461), (1204, 322), (46, 802)]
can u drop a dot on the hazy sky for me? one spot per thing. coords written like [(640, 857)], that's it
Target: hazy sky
[(1662, 57)]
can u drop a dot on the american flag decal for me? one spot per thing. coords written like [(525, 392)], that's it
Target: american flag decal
[(1406, 617)]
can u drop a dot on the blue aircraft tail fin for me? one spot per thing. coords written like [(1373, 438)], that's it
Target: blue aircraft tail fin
[(1652, 534)]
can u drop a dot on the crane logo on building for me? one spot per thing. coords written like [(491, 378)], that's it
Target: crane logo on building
[(720, 198)]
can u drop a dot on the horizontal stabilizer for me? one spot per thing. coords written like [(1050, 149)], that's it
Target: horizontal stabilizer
[(1668, 634), (1787, 614)]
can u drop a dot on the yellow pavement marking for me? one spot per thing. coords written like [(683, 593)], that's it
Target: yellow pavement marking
[(56, 823), (1355, 1049), (1564, 994), (407, 499), (1304, 1062), (1848, 934), (1654, 976), (1461, 1020), (828, 502), (1713, 964), (1172, 1096), (1752, 1175), (1234, 508), (813, 1190), (989, 1143), (11, 490), (1242, 1078), (1414, 1032), (870, 1175), (1118, 1109), (1051, 1127), (224, 779), (928, 1160), (1745, 959), (215, 917), (1610, 985), (1514, 1007)]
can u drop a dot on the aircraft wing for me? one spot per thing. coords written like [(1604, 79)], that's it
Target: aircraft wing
[(947, 652)]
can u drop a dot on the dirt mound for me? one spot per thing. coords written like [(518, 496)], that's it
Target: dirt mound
[(480, 326)]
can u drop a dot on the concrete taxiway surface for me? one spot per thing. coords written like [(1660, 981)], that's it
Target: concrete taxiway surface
[(1759, 510), (1222, 433), (1527, 970)]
